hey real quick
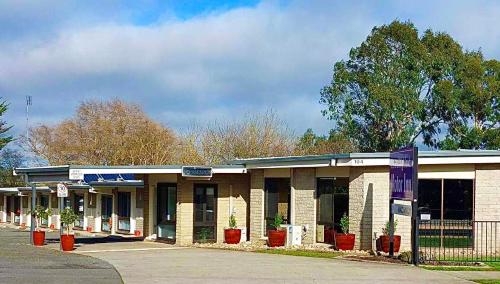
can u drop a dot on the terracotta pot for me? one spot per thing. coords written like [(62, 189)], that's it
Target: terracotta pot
[(232, 236), (68, 242), (38, 238), (137, 233), (383, 243), (344, 241), (276, 238)]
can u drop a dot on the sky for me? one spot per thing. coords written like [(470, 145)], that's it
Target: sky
[(192, 62)]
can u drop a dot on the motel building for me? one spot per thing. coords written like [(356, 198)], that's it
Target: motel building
[(183, 204)]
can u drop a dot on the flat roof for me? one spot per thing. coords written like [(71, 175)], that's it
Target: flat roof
[(372, 155)]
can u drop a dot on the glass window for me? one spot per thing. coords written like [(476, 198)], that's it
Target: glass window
[(333, 201), (124, 204), (167, 210), (429, 197), (457, 199), (205, 213), (277, 200), (451, 197)]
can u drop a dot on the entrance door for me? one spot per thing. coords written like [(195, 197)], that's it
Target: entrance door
[(205, 213), (44, 202), (124, 205), (276, 201), (167, 211), (78, 201), (106, 211), (332, 205), (17, 209), (9, 208)]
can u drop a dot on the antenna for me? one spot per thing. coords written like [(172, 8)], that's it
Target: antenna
[(29, 102)]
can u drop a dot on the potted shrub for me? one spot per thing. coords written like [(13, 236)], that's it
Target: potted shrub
[(40, 213), (232, 235), (383, 241), (68, 218), (344, 240), (276, 237)]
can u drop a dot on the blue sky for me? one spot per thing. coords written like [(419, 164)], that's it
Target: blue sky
[(188, 62)]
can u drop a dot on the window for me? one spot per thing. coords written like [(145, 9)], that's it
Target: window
[(205, 213), (124, 204), (277, 200), (166, 210), (332, 201), (447, 199)]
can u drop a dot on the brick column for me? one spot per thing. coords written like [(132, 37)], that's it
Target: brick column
[(356, 203), (184, 225), (304, 187), (256, 205)]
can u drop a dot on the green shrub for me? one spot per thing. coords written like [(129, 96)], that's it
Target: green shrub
[(344, 224), (387, 228), (232, 221), (40, 213), (278, 220), (68, 218)]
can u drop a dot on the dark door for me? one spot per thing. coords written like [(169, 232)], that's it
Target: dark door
[(106, 211), (17, 209), (205, 213), (124, 205), (78, 201), (9, 208), (167, 210), (276, 201), (44, 202)]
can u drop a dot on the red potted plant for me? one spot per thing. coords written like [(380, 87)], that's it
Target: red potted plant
[(68, 218), (40, 213), (383, 242), (344, 240), (276, 237), (232, 235)]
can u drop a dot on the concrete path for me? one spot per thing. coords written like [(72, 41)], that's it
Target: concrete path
[(191, 265), (23, 263), (472, 275)]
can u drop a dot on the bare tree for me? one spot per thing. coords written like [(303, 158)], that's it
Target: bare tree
[(105, 133), (259, 135)]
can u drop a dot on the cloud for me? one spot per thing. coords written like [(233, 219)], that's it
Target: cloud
[(219, 64)]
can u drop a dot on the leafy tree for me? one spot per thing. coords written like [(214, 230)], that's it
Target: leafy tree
[(394, 88), (312, 144), (477, 123), (4, 138), (10, 159)]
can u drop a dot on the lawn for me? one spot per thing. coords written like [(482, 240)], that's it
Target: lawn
[(491, 266), (487, 281), (448, 242), (306, 253)]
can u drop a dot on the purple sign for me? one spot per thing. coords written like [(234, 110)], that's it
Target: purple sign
[(402, 172)]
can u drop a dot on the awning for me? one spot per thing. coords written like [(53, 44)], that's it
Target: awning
[(112, 180)]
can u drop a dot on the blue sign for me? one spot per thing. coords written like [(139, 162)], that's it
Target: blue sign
[(403, 173), (205, 172)]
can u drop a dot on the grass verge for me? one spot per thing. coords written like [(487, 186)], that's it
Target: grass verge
[(491, 266), (487, 281), (306, 253)]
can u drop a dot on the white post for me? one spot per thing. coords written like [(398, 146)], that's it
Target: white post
[(49, 219), (98, 218), (132, 211), (21, 211), (114, 217), (4, 212), (85, 210)]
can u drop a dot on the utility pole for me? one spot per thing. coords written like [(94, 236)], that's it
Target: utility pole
[(29, 102)]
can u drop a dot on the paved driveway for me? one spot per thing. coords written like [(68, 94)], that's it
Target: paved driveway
[(191, 265), (23, 263)]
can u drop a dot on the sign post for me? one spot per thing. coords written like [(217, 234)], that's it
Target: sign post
[(404, 186), (62, 192)]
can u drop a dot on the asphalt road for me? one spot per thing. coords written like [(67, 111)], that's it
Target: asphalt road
[(23, 263), (192, 265)]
